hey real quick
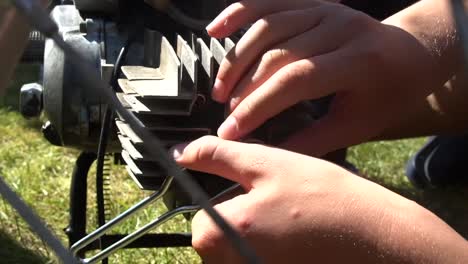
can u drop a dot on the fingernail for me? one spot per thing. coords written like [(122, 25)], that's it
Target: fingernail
[(218, 90), (210, 26), (178, 150), (228, 129), (214, 23)]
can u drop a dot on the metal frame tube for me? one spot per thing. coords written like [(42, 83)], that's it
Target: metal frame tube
[(140, 232), (137, 207)]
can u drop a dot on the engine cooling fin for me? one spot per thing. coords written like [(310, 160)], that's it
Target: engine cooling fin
[(169, 97)]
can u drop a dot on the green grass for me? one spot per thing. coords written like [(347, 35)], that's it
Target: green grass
[(41, 174)]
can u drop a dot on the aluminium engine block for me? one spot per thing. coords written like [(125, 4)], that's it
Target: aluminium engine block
[(165, 80)]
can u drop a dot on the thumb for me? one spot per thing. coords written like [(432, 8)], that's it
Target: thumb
[(240, 162)]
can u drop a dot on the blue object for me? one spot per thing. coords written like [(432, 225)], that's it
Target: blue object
[(442, 161)]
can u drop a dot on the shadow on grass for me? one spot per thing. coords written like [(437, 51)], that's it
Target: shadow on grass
[(13, 253)]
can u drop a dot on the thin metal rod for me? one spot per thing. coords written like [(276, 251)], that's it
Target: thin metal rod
[(155, 223), (140, 232), (35, 223), (137, 207)]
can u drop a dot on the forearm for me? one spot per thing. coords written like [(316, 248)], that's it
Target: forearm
[(401, 231), (13, 39), (444, 111), (431, 23), (416, 235)]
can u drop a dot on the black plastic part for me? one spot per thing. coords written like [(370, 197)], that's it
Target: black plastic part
[(440, 162), (50, 133), (78, 195), (147, 241)]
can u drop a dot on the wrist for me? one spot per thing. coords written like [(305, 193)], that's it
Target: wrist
[(408, 232)]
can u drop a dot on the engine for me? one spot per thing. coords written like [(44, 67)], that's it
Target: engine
[(161, 63)]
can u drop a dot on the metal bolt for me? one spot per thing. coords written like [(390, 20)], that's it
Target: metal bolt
[(31, 100)]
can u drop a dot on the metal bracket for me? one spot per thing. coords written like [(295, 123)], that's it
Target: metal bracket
[(97, 234)]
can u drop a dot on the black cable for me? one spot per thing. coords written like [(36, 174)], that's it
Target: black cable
[(104, 139), (104, 135), (38, 18)]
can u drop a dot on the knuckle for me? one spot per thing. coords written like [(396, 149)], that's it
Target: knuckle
[(248, 114), (326, 10), (209, 240), (296, 72), (227, 64), (237, 7), (243, 223), (373, 53), (207, 148), (200, 149), (262, 25), (235, 101), (273, 56), (267, 24), (245, 110), (359, 20), (298, 76), (200, 244)]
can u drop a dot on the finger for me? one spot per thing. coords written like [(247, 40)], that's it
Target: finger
[(315, 42), (265, 33), (239, 162), (302, 80), (209, 241), (246, 12)]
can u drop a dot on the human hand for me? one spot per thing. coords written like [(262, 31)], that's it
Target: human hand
[(297, 209), (304, 49)]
